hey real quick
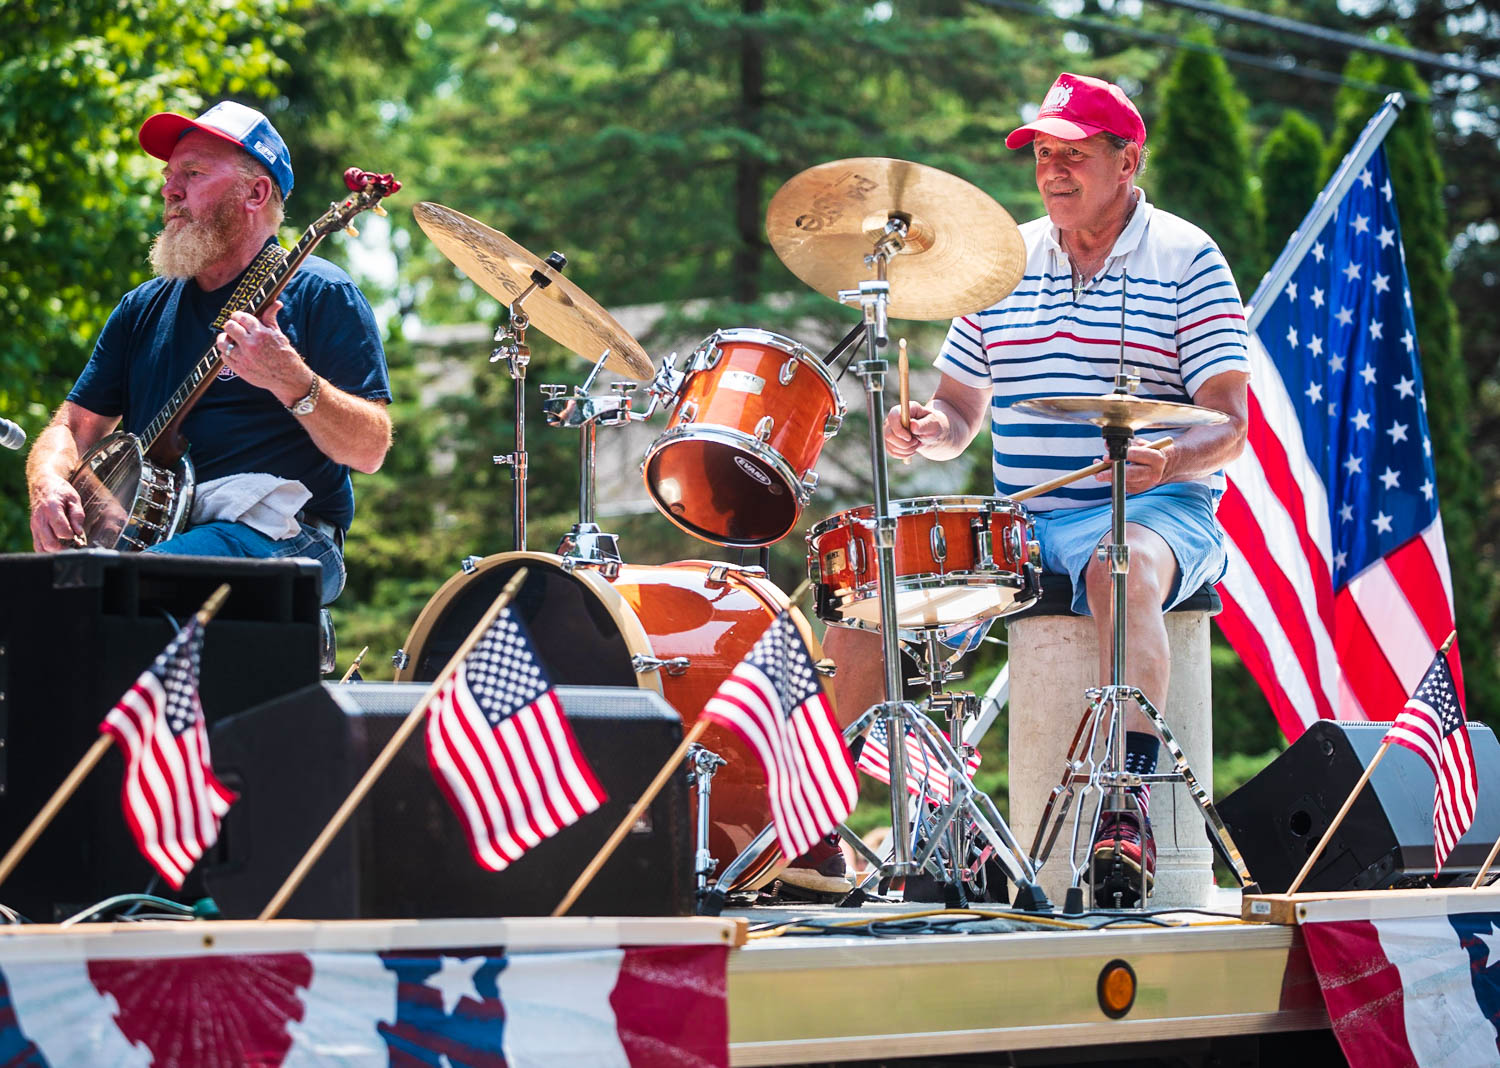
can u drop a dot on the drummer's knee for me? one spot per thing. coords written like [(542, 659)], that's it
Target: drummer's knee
[(859, 679)]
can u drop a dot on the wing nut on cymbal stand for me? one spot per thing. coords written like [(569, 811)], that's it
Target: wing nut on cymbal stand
[(510, 345)]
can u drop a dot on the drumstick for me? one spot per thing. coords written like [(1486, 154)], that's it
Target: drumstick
[(1082, 472), (903, 369)]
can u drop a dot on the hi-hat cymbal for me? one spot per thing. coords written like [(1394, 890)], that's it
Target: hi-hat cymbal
[(562, 311), (963, 251), (1121, 410)]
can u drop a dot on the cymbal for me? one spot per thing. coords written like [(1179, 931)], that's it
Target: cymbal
[(562, 311), (963, 251), (1122, 410)]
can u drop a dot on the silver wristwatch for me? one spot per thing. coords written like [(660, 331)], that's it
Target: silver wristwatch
[(306, 405)]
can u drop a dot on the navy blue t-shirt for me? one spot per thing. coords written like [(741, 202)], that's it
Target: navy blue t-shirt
[(162, 328)]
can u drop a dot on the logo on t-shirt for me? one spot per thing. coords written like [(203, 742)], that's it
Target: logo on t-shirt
[(1057, 98), (225, 374)]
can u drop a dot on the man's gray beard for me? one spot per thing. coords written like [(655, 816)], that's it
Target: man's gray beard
[(193, 247)]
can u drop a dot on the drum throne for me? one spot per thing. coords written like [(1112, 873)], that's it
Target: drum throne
[(1054, 658)]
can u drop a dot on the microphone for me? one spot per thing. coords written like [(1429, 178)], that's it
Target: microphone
[(11, 435)]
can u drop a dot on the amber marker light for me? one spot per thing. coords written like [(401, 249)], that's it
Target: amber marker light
[(1116, 988)]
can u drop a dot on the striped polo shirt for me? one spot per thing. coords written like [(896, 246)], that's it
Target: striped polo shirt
[(1165, 286)]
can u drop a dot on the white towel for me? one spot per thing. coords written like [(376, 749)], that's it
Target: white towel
[(262, 502)]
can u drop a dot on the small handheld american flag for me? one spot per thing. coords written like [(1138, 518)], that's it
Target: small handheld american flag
[(172, 801), (773, 700), (1432, 725), (501, 749), (925, 774)]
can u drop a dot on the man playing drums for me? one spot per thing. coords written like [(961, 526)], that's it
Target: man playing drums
[(1102, 260)]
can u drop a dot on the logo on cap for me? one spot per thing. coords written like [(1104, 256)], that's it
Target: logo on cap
[(266, 151), (1057, 98)]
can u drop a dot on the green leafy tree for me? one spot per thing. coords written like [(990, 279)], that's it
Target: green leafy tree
[(1417, 177), (1200, 168), (78, 197), (1291, 175)]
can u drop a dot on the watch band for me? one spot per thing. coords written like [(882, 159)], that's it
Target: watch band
[(306, 405)]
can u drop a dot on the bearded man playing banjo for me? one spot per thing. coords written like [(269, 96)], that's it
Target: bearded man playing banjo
[(301, 394)]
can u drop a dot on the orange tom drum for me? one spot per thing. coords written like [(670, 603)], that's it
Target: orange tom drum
[(735, 465), (678, 628), (959, 560)]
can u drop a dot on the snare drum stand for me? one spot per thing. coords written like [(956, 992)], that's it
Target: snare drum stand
[(1103, 729), (510, 345), (873, 297)]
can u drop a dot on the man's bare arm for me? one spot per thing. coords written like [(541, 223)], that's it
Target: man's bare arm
[(56, 511)]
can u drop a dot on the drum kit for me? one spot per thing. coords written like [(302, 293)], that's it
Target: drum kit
[(749, 413)]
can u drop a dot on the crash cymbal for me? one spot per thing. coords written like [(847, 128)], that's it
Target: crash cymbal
[(963, 251), (1121, 410), (562, 311)]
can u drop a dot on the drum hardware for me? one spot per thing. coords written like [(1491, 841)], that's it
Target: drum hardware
[(672, 666), (702, 763), (468, 564), (1095, 762), (885, 212), (510, 345), (718, 574), (585, 544)]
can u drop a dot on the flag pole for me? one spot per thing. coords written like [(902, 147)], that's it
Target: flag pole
[(1349, 801), (1322, 210), (672, 764), (81, 770), (354, 665), (409, 725)]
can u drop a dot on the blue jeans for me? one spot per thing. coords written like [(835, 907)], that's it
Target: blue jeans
[(235, 539)]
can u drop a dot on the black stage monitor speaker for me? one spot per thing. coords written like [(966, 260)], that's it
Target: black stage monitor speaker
[(1278, 817), (403, 853), (76, 629)]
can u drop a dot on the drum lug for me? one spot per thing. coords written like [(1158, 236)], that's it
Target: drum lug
[(788, 371), (832, 423), (718, 574), (400, 660), (707, 356), (470, 564), (1012, 544), (984, 544), (643, 664), (809, 483), (687, 413), (763, 428), (939, 543)]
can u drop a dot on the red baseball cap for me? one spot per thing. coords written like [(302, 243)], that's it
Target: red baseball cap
[(1078, 106)]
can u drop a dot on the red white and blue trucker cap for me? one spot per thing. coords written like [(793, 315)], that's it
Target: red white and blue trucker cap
[(1078, 106), (233, 122)]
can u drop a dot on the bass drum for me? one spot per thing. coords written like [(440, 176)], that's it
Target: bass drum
[(587, 628)]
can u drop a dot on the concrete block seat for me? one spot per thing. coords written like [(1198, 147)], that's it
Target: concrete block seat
[(1054, 659)]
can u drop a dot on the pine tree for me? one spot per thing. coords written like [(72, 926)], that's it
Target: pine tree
[(1291, 175), (1200, 166)]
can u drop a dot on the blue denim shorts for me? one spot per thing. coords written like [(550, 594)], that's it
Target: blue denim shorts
[(1181, 512), (235, 539)]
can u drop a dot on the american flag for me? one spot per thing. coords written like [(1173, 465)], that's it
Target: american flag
[(924, 774), (171, 798), (1432, 726), (774, 702), (1338, 590), (501, 749)]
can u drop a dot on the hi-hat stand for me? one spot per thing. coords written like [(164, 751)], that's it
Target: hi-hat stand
[(1095, 763)]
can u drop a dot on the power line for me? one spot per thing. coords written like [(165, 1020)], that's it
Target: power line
[(1348, 40), (1245, 59)]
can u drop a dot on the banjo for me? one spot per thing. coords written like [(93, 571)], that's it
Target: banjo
[(138, 490)]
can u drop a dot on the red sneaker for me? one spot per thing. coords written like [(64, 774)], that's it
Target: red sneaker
[(820, 869), (1120, 847)]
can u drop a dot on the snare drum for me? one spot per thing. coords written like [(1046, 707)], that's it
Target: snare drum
[(678, 629), (959, 560), (752, 411)]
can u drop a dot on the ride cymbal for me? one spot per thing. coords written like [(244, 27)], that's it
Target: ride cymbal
[(1122, 410), (562, 311), (963, 251)]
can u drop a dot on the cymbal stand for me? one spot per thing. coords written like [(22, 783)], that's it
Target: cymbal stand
[(585, 544), (1096, 760), (510, 345), (702, 763), (873, 298)]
